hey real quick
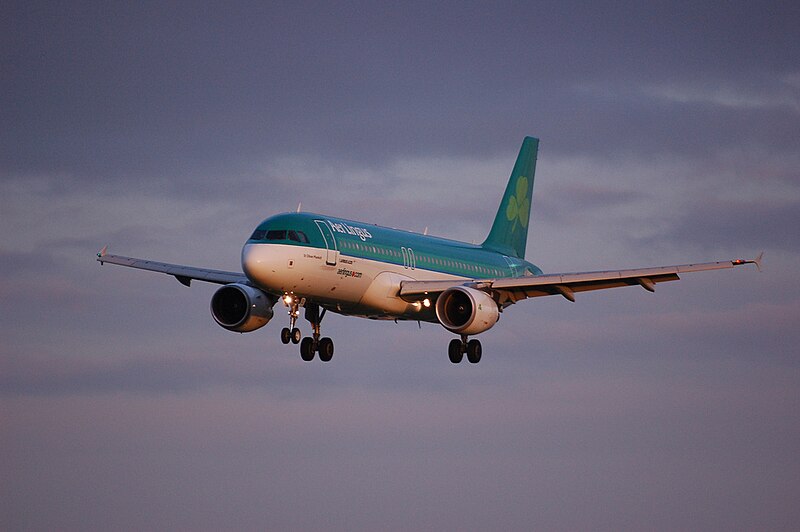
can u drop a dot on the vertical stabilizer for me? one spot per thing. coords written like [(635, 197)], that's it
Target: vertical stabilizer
[(509, 232)]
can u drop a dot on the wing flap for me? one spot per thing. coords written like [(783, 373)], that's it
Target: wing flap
[(184, 274)]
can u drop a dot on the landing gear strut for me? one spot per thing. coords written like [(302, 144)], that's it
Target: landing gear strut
[(291, 333), (315, 344), (457, 348)]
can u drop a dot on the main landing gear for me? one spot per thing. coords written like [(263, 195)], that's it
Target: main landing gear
[(308, 345), (457, 348)]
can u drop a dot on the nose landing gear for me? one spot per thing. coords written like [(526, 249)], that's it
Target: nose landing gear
[(292, 333)]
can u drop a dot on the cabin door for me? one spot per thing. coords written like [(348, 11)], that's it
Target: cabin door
[(331, 252)]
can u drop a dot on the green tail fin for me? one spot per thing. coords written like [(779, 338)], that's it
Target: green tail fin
[(509, 232)]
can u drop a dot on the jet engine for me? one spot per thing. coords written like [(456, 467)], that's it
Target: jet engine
[(464, 310), (241, 308)]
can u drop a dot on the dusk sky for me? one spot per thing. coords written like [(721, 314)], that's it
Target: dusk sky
[(670, 133)]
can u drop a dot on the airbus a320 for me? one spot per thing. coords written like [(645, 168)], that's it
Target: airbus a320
[(322, 264)]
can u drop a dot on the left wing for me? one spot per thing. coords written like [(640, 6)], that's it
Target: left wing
[(509, 290), (184, 274)]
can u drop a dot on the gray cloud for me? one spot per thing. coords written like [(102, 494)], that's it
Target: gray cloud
[(751, 225), (174, 92)]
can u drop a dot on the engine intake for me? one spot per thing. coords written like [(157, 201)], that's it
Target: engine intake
[(465, 310), (241, 308)]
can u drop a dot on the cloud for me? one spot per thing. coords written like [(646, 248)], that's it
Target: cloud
[(750, 225), (780, 94)]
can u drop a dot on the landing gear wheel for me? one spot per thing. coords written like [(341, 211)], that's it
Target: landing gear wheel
[(296, 335), (454, 351), (325, 349), (474, 351), (307, 349), (286, 335)]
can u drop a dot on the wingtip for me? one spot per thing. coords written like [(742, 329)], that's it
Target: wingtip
[(102, 253), (757, 261)]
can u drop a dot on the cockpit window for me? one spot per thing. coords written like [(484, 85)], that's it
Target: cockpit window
[(276, 234), (280, 234), (298, 236), (258, 234)]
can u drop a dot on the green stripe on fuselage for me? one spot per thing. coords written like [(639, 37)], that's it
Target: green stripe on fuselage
[(393, 246)]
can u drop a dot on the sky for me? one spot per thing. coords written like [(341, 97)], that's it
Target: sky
[(670, 133)]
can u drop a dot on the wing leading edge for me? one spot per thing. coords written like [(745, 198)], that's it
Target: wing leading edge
[(184, 274), (509, 290)]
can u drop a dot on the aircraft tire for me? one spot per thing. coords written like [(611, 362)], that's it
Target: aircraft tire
[(286, 335), (474, 351), (454, 351), (307, 349), (296, 335), (325, 349)]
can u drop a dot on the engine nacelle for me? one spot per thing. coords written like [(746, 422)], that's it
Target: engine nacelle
[(464, 310), (241, 308)]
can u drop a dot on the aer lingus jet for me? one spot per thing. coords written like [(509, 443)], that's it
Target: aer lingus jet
[(321, 263)]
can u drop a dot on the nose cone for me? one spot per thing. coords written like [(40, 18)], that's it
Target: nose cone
[(270, 266), (254, 262)]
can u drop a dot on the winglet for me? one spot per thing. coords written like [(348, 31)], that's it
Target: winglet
[(102, 253), (757, 261)]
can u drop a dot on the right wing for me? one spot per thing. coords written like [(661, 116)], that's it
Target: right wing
[(184, 274), (508, 290)]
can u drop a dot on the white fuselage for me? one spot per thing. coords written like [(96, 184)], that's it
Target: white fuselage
[(345, 284)]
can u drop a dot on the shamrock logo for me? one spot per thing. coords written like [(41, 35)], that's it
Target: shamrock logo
[(519, 205)]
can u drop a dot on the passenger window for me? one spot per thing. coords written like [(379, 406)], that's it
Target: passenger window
[(276, 234)]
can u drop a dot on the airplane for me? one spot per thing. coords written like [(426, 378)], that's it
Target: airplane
[(328, 264)]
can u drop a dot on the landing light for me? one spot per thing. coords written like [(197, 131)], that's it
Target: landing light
[(287, 299), (426, 302)]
